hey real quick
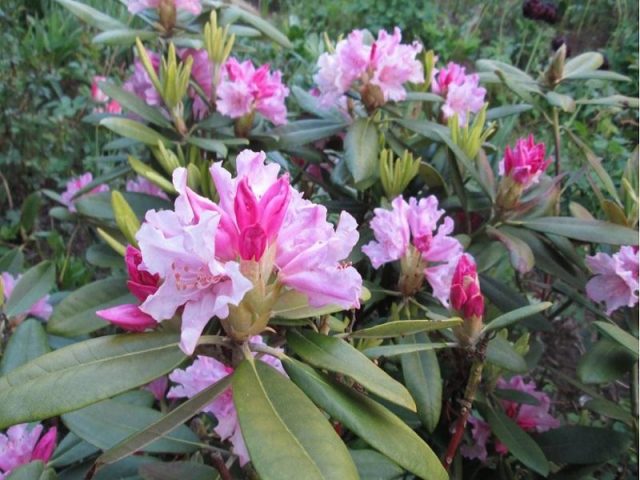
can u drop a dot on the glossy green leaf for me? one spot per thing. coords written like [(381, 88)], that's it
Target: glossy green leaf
[(71, 449), (519, 443), (286, 435), (90, 15), (401, 349), (610, 409), (372, 465), (262, 25), (621, 101), (336, 355), (515, 315), (135, 104), (123, 36), (164, 424), (520, 253), (178, 471), (293, 305), (12, 261), (605, 362), (586, 62), (501, 353), (303, 132), (361, 148), (375, 424), (27, 342), (421, 372), (564, 102), (594, 231), (32, 286), (404, 327), (76, 314), (507, 110), (84, 373), (625, 339), (134, 130), (209, 144), (32, 471), (582, 445), (423, 97)]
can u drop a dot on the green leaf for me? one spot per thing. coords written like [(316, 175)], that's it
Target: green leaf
[(520, 253), (394, 350), (605, 362), (563, 102), (311, 104), (501, 353), (134, 130), (123, 36), (107, 423), (29, 211), (519, 443), (336, 355), (135, 104), (84, 373), (601, 75), (27, 342), (620, 101), (507, 110), (91, 16), (178, 471), (287, 437), (594, 231), (32, 286), (304, 132), (404, 327), (295, 306), (581, 445), (609, 409), (12, 261), (260, 24), (375, 466), (32, 471), (71, 449), (361, 148), (516, 315), (375, 424), (76, 314), (421, 373), (164, 424), (209, 145), (625, 339), (586, 62), (422, 97)]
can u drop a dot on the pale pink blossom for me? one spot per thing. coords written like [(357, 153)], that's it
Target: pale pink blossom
[(531, 418), (191, 6), (525, 163), (202, 74), (41, 308), (140, 84), (416, 224), (461, 92), (386, 63), (142, 185), (245, 89), (22, 444), (206, 371), (616, 278), (158, 387), (75, 185), (179, 247)]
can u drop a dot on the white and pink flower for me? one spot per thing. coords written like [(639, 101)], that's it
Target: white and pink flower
[(22, 445), (75, 185), (461, 92), (616, 278)]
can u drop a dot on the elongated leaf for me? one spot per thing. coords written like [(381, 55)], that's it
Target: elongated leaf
[(122, 36), (32, 471), (336, 355), (28, 341), (519, 443), (594, 231), (361, 149), (520, 253), (625, 339), (564, 102), (621, 101), (515, 315), (423, 97), (262, 25), (12, 261), (303, 132), (301, 442), (165, 424), (610, 409), (404, 327), (605, 362), (107, 423), (421, 372), (375, 466), (91, 16), (507, 110), (586, 62), (178, 471), (209, 144), (135, 104), (582, 445), (380, 428), (501, 353), (76, 314), (134, 130), (295, 306), (32, 286), (401, 349), (71, 450), (84, 373)]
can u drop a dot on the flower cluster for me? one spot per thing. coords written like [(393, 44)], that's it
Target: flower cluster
[(616, 278), (409, 232), (461, 92), (41, 309), (22, 444), (108, 105), (191, 6), (379, 69), (74, 185), (525, 163), (206, 371), (531, 418)]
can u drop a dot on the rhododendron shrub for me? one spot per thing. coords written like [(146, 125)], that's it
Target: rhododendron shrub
[(370, 268)]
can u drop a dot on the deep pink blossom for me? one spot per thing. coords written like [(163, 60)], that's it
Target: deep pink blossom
[(142, 185), (531, 418), (75, 185), (386, 64), (140, 84), (525, 163), (97, 95), (191, 6), (245, 89), (461, 92), (22, 444), (616, 278), (415, 224), (41, 309), (466, 296), (204, 372)]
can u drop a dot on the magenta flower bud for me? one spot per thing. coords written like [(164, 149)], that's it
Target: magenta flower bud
[(467, 299), (141, 284), (129, 317), (273, 206), (525, 163), (253, 242), (246, 206), (45, 446)]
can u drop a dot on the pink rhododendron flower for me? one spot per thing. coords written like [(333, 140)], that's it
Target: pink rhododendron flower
[(386, 64), (202, 74), (461, 92), (414, 225), (466, 296), (140, 84), (22, 445), (245, 89), (525, 163), (142, 185), (158, 387), (531, 418), (191, 6), (204, 372), (75, 185), (616, 278), (41, 309), (97, 95)]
